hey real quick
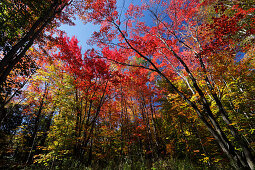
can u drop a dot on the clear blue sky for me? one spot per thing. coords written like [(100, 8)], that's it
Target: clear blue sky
[(84, 31)]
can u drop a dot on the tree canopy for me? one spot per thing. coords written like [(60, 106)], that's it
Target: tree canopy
[(167, 84)]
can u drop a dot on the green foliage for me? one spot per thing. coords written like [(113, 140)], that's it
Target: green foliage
[(78, 113)]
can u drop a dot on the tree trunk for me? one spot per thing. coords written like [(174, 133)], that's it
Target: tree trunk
[(19, 50), (215, 129)]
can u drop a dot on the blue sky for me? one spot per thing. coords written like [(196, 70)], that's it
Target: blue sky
[(84, 31)]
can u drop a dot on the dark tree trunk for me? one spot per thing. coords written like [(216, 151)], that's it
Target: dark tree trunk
[(242, 160), (19, 49), (32, 142)]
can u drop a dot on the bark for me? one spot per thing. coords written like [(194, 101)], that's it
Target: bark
[(201, 143), (77, 147), (47, 128), (239, 138), (214, 129), (19, 49), (36, 126)]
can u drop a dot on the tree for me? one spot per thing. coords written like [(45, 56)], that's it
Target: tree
[(176, 45), (22, 26), (177, 84), (24, 23), (81, 93)]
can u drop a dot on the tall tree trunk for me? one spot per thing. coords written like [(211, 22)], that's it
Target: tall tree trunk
[(19, 49), (47, 128), (36, 126), (213, 126)]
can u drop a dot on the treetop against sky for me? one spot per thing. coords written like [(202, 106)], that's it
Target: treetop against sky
[(157, 80)]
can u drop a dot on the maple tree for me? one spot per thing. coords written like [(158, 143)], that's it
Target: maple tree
[(22, 24), (180, 37), (169, 81)]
